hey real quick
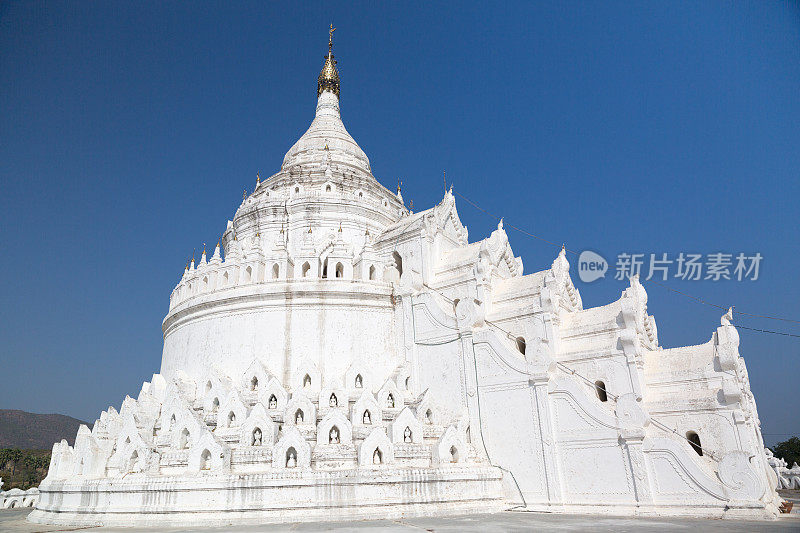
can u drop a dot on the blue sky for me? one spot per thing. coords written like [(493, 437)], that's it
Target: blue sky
[(128, 131)]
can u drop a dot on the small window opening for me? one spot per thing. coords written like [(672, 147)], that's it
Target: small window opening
[(339, 270), (453, 454), (296, 190), (390, 401), (372, 272), (407, 435), (367, 418), (298, 416), (291, 457), (183, 441), (327, 188), (333, 436), (273, 402), (359, 381), (215, 405), (332, 401), (694, 440), (408, 383), (231, 418), (257, 437), (254, 383), (307, 381), (398, 262), (325, 268), (602, 393), (377, 457), (521, 345), (306, 268), (428, 417), (205, 460), (276, 271)]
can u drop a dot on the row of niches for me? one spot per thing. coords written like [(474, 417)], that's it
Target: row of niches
[(258, 431), (233, 272), (298, 190), (255, 424)]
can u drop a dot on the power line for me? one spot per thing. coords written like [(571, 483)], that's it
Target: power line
[(574, 372), (697, 299)]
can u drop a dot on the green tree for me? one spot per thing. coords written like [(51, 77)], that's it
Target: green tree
[(788, 450), (5, 457), (15, 454)]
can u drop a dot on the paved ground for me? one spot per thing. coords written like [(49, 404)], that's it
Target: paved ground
[(13, 521)]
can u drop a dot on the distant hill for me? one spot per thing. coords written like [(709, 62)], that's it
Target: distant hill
[(33, 431)]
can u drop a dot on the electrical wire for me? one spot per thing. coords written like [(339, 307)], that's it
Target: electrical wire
[(697, 299)]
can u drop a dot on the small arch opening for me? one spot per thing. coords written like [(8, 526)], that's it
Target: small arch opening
[(225, 278), (257, 437), (215, 405), (327, 188), (231, 418), (694, 440), (296, 190), (325, 268), (398, 262), (183, 440), (521, 345), (254, 383), (366, 419), (408, 435), (453, 454), (408, 383), (429, 417), (172, 420), (333, 401), (372, 272), (205, 460), (298, 416), (248, 274), (339, 270), (306, 268), (390, 401), (291, 457), (333, 435), (307, 382), (377, 457), (600, 389), (359, 381), (273, 402), (276, 271)]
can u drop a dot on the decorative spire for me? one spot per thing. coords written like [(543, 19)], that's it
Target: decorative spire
[(329, 76), (258, 179)]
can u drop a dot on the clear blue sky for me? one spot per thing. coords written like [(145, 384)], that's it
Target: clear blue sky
[(128, 131)]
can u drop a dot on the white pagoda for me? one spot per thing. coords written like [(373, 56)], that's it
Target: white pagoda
[(351, 359)]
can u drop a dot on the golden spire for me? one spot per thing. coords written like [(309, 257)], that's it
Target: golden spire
[(329, 77), (258, 179)]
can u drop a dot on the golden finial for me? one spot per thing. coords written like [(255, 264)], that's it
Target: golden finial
[(328, 79), (258, 179), (204, 247), (411, 206), (244, 195), (340, 227)]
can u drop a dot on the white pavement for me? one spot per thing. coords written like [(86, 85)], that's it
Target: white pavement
[(13, 521)]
